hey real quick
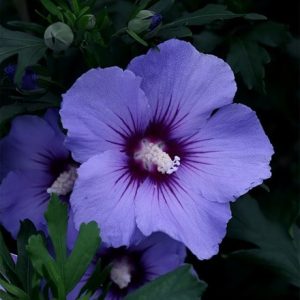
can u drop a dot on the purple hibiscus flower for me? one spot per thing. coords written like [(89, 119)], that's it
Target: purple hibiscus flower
[(138, 264), (29, 79), (34, 163), (162, 147)]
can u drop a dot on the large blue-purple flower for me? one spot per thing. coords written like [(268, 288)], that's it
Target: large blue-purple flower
[(34, 163), (163, 147), (138, 264)]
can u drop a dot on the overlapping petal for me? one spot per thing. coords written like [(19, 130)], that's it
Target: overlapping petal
[(183, 86), (160, 254), (101, 110), (23, 196), (105, 193), (31, 144), (229, 156), (179, 211)]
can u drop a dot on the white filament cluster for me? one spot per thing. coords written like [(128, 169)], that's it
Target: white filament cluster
[(120, 273), (153, 154), (64, 183)]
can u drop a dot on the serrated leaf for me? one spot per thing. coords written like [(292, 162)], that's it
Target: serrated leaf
[(57, 219), (180, 284), (270, 34), (29, 49), (248, 58), (276, 248), (85, 248), (45, 265)]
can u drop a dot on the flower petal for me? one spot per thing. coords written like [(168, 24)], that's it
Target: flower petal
[(177, 210), (101, 110), (31, 144), (229, 156), (23, 196), (104, 193), (183, 86), (161, 254)]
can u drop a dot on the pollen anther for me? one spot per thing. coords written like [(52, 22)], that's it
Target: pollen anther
[(153, 154), (120, 273), (64, 183)]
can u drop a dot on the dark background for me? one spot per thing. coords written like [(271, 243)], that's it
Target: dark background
[(278, 110)]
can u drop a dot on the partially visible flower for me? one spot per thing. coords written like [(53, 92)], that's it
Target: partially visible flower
[(34, 163), (138, 264), (145, 20), (29, 79), (162, 147)]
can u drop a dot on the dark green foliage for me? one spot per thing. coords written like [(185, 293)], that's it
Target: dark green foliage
[(278, 247), (180, 284), (29, 49)]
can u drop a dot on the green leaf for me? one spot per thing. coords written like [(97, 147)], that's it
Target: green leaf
[(5, 296), (271, 34), (45, 265), (276, 248), (14, 290), (207, 41), (203, 16), (85, 248), (180, 284), (137, 38), (29, 49), (57, 219), (248, 58), (52, 8), (24, 267), (21, 25)]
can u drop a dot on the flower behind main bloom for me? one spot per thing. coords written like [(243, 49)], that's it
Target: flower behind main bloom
[(163, 148), (134, 266), (34, 163)]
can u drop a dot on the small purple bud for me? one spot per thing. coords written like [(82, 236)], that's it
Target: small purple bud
[(155, 21), (29, 80)]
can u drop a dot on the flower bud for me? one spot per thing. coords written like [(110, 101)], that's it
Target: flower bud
[(87, 22), (58, 36), (145, 20)]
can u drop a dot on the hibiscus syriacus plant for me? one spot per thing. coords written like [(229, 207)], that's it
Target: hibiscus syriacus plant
[(134, 138)]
